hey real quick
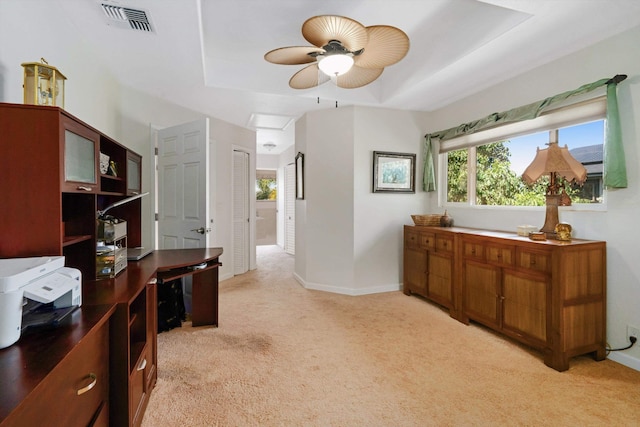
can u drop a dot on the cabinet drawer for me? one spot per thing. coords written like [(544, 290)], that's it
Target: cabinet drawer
[(427, 240), (444, 244), (412, 239), (138, 389), (473, 250), (534, 260), (75, 390), (498, 254)]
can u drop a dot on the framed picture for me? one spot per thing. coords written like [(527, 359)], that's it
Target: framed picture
[(394, 172), (299, 176)]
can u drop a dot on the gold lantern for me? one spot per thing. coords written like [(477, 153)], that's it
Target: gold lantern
[(43, 84)]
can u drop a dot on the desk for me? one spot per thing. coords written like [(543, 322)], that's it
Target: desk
[(203, 268), (41, 373), (133, 352), (114, 335)]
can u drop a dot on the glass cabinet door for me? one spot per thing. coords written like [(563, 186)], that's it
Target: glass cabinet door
[(134, 174), (80, 158)]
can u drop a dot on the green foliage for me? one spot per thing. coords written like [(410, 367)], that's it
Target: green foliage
[(457, 173), (496, 183), (266, 189)]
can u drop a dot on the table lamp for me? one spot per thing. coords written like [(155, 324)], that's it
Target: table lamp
[(556, 162)]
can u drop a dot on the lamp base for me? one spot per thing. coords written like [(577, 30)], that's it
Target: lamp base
[(551, 218)]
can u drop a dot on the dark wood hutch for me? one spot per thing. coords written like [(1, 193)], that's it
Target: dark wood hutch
[(52, 188)]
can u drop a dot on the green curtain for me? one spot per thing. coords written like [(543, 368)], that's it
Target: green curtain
[(429, 177), (615, 171)]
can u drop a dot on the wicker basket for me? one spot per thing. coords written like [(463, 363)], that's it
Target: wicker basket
[(427, 220)]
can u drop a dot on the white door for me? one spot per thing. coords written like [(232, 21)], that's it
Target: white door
[(290, 209), (183, 186), (240, 204)]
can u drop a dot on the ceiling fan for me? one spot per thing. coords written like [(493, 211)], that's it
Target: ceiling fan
[(343, 50)]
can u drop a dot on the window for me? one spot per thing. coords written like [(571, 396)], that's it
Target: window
[(266, 185), (489, 165)]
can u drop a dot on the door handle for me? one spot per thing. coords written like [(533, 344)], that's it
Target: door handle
[(201, 230)]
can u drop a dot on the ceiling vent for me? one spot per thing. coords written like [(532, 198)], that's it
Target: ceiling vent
[(124, 17)]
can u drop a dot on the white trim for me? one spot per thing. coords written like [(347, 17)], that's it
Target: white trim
[(348, 291)]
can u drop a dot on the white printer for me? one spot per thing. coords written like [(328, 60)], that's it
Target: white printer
[(38, 291)]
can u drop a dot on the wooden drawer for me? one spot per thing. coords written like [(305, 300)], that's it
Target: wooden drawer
[(76, 391), (444, 244), (427, 240), (412, 239), (499, 254), (533, 260), (473, 250)]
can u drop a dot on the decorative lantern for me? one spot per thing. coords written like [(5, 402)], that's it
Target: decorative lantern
[(43, 84)]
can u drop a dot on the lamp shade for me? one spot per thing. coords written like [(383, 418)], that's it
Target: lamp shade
[(556, 160)]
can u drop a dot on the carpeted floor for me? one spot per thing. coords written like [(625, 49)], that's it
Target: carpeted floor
[(286, 356)]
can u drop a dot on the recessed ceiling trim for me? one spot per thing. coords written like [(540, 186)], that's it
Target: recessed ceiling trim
[(269, 121)]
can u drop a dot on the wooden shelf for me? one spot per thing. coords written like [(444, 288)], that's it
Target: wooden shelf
[(72, 240)]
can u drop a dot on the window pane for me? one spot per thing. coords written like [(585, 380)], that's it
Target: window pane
[(499, 172), (266, 185), (457, 175), (585, 142)]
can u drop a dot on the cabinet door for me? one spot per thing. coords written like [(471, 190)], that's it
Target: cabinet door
[(440, 278), (481, 292), (80, 157), (134, 174), (415, 271), (524, 306)]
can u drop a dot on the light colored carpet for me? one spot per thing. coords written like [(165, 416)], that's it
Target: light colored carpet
[(286, 356)]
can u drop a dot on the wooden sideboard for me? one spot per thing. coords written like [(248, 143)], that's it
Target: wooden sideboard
[(550, 295)]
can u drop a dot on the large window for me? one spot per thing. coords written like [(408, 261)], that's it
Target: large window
[(488, 172)]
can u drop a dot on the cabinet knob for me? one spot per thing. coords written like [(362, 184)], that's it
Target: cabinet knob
[(94, 381)]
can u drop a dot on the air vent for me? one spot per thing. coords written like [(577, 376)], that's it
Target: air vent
[(127, 18)]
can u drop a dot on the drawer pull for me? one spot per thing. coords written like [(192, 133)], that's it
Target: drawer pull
[(143, 365), (94, 381), (84, 188)]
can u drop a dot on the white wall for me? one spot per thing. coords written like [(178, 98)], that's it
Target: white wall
[(378, 218), (616, 225), (352, 238)]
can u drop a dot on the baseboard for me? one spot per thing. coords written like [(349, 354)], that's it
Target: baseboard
[(225, 277), (626, 360), (347, 291)]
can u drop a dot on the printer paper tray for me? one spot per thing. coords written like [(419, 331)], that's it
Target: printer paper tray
[(46, 316)]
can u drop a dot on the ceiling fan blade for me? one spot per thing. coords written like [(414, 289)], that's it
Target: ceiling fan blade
[(293, 55), (320, 30), (387, 45), (310, 76), (358, 77)]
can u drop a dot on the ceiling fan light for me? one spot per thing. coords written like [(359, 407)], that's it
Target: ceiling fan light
[(335, 65)]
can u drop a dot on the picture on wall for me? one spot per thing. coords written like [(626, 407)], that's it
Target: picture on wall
[(299, 176), (394, 172)]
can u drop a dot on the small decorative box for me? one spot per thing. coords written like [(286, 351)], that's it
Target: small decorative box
[(524, 230)]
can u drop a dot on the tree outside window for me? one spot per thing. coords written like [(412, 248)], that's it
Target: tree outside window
[(266, 188), (499, 166)]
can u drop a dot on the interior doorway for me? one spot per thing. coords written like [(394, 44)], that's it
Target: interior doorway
[(266, 207)]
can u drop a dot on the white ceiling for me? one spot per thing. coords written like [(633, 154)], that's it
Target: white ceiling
[(207, 55)]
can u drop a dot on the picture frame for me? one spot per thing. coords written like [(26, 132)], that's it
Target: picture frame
[(300, 176), (394, 172)]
